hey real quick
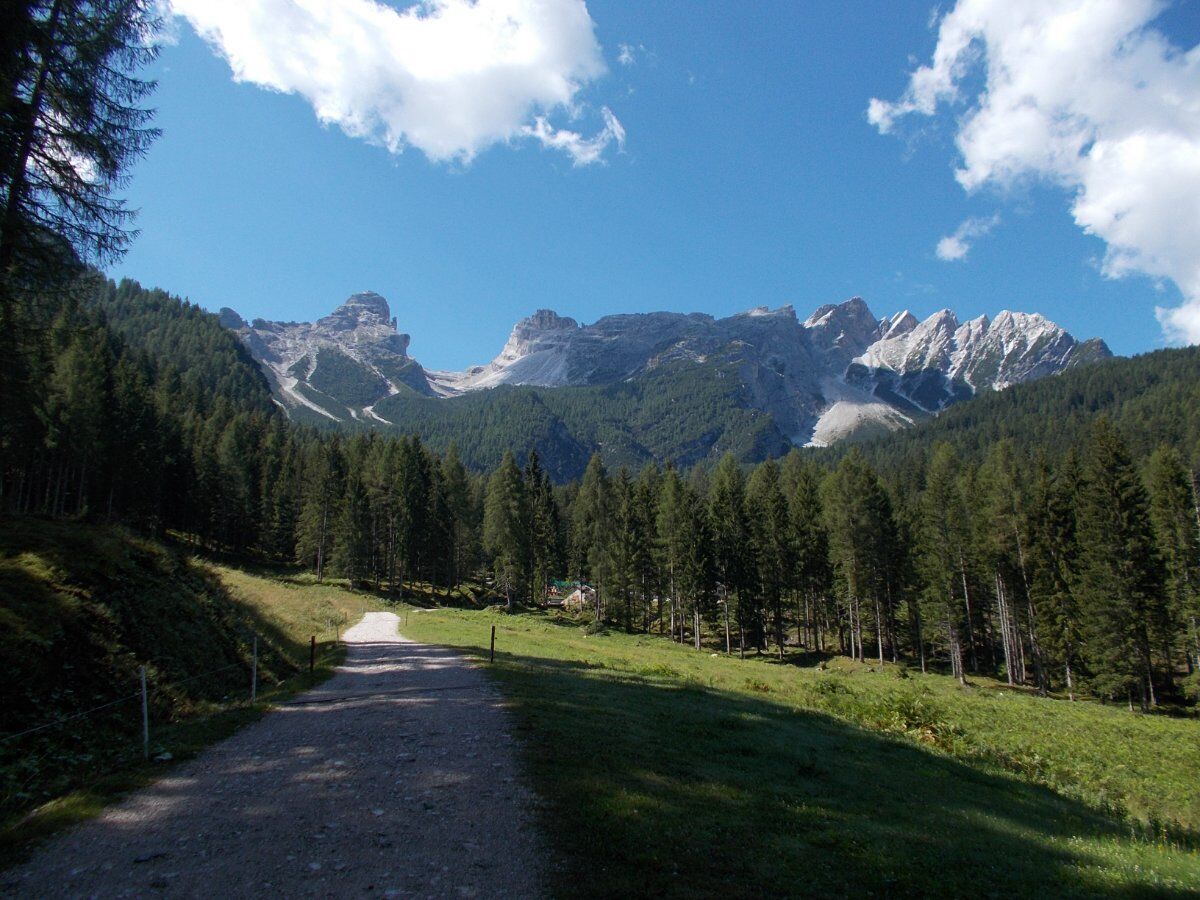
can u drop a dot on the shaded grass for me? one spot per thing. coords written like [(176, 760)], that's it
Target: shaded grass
[(667, 772), (82, 607)]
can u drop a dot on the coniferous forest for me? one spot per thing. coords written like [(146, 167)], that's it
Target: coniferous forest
[(1071, 570)]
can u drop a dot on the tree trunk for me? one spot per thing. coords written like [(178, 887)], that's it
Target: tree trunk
[(879, 629), (17, 177), (321, 540), (970, 626), (728, 647)]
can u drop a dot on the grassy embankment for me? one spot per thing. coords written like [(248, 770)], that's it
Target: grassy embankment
[(82, 607), (665, 771), (671, 772)]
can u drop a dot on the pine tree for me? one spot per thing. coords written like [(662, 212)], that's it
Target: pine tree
[(1002, 523), (351, 554), (1119, 584), (542, 527), (322, 480), (463, 511), (861, 539), (942, 540), (731, 541), (504, 534), (1177, 535), (1053, 555), (645, 501), (767, 513), (810, 545), (591, 515), (71, 127), (686, 554)]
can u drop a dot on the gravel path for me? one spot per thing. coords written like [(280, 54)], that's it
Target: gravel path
[(396, 778)]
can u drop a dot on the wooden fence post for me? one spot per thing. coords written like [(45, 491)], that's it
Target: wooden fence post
[(254, 673), (493, 659), (145, 714), (312, 654)]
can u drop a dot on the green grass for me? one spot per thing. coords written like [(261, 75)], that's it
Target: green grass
[(81, 607), (671, 772)]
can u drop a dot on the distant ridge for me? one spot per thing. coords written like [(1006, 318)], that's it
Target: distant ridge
[(841, 374)]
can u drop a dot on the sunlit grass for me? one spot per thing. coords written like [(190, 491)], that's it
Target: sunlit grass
[(669, 771)]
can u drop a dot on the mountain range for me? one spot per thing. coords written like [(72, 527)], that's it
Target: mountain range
[(840, 374)]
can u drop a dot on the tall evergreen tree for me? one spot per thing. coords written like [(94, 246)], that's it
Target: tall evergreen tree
[(767, 512), (504, 534), (71, 125), (727, 512), (1054, 552), (591, 516), (1177, 534), (942, 541), (1119, 575), (810, 545)]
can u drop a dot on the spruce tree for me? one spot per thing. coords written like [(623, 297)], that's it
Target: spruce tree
[(942, 539), (351, 552), (767, 512), (504, 535), (810, 545), (1119, 577), (1054, 553), (1177, 534), (591, 516), (730, 539)]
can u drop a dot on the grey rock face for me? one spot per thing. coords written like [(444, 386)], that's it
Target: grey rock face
[(839, 374)]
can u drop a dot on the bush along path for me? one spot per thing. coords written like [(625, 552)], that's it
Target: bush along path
[(396, 776)]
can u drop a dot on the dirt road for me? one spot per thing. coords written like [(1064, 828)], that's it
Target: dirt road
[(395, 778)]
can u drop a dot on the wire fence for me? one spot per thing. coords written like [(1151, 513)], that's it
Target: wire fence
[(28, 763)]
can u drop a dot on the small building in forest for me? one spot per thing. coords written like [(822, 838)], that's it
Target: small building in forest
[(571, 595)]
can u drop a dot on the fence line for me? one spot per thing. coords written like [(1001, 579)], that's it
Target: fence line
[(143, 691), (63, 721)]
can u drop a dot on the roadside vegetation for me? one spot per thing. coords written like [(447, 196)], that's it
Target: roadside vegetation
[(83, 607)]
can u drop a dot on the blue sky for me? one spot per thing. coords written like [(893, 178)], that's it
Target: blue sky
[(750, 175)]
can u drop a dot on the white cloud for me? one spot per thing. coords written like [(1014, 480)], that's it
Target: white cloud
[(584, 151), (629, 54), (1087, 95), (449, 77), (956, 246)]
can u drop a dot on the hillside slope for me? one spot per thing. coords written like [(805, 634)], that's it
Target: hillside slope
[(81, 608), (1153, 398), (839, 375)]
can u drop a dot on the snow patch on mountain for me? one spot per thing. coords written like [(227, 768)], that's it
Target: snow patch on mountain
[(839, 374)]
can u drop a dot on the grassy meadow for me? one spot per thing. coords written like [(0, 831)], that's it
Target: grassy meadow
[(668, 771), (671, 772)]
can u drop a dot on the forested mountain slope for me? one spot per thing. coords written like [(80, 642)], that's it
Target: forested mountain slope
[(186, 339), (1152, 399), (681, 387)]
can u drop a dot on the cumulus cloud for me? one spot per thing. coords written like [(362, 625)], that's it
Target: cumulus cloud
[(449, 77), (956, 246), (1088, 95)]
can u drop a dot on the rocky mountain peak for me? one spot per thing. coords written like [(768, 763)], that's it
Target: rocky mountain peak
[(365, 308), (230, 319), (841, 373), (548, 320)]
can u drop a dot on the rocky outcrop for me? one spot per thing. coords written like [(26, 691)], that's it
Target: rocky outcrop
[(839, 374)]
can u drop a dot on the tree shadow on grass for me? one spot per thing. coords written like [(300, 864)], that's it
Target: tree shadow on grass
[(662, 788)]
